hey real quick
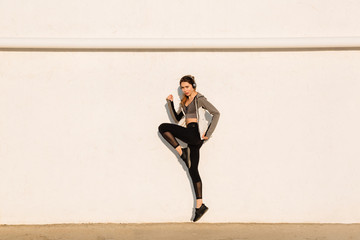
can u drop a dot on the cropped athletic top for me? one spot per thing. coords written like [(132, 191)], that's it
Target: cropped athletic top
[(190, 111)]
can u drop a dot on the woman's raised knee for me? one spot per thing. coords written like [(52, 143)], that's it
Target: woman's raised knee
[(162, 127)]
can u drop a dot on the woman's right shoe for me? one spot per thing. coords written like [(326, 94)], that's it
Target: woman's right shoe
[(199, 212), (186, 156)]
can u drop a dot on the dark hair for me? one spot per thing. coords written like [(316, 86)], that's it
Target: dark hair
[(189, 79)]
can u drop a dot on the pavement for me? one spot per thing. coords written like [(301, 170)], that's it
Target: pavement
[(177, 231)]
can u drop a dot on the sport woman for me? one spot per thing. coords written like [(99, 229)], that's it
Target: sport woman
[(193, 130)]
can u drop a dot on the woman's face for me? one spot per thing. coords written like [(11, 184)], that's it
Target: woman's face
[(187, 88)]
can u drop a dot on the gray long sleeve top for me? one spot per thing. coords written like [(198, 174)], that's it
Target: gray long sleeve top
[(201, 102)]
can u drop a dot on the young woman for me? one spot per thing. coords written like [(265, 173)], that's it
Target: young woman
[(193, 129)]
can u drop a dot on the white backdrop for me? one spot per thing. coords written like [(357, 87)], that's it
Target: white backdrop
[(79, 138)]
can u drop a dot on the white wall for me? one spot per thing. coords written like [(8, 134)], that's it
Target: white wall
[(79, 138), (179, 18)]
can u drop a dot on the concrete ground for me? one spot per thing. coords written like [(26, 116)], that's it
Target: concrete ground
[(175, 231)]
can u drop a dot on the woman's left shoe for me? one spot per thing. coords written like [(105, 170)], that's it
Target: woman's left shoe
[(199, 212), (186, 156)]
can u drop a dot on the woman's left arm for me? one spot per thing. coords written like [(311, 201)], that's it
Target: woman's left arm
[(216, 115)]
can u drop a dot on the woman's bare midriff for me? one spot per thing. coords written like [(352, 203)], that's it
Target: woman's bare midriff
[(189, 120)]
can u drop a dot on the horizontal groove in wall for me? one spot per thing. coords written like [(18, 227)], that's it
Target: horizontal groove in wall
[(180, 43)]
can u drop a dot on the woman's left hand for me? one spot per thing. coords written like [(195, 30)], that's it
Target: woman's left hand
[(206, 138)]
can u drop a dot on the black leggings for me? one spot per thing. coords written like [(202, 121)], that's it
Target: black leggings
[(191, 136)]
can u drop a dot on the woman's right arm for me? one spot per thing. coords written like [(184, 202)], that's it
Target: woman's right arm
[(176, 116)]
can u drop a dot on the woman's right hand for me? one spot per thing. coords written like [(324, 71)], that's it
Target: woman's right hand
[(170, 97)]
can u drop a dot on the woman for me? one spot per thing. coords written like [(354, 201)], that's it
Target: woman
[(193, 129)]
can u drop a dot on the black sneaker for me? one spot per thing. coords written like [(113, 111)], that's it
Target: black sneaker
[(199, 212), (186, 156)]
